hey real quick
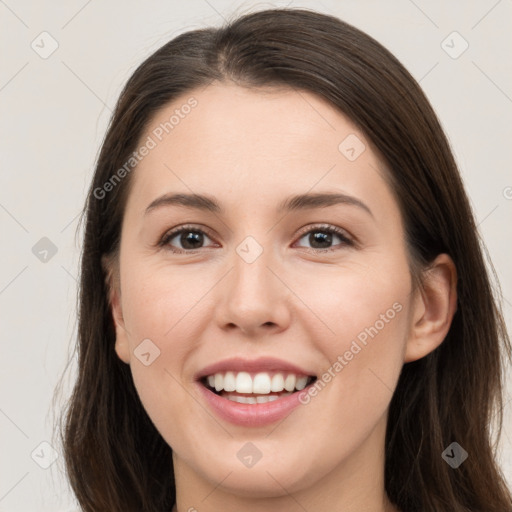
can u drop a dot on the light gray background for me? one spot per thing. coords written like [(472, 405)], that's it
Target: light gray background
[(54, 113)]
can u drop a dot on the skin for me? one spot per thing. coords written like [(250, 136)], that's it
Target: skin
[(250, 149)]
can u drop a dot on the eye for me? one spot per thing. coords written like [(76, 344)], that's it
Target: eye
[(191, 238), (321, 238), (188, 238)]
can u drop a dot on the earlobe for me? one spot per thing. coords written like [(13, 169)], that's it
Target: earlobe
[(434, 307), (122, 346)]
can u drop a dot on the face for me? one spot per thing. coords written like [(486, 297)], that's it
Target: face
[(317, 290)]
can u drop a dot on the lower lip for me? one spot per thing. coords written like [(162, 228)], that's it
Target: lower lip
[(251, 415)]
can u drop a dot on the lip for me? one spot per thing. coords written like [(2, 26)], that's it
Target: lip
[(262, 364), (251, 415)]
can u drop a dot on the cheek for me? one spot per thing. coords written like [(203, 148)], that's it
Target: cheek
[(352, 395), (171, 306), (369, 314), (160, 300), (366, 318), (355, 300)]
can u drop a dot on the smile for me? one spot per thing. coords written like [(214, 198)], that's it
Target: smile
[(259, 388), (253, 393)]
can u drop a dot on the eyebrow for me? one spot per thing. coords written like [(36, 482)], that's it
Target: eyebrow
[(293, 203)]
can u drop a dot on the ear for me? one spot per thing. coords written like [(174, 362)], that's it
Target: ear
[(110, 266), (433, 308)]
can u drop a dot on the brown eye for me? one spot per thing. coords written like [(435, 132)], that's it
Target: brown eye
[(184, 239), (323, 238)]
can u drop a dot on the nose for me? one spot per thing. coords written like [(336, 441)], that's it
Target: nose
[(254, 299)]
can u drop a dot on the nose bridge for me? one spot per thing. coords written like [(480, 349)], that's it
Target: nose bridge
[(252, 279), (254, 297)]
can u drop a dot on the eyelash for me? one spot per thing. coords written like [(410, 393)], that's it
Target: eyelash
[(325, 228)]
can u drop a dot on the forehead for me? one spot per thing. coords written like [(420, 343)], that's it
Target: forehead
[(241, 144), (228, 119)]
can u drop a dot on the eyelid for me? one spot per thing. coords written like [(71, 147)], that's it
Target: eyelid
[(326, 227)]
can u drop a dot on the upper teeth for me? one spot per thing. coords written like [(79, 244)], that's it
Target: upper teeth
[(261, 383)]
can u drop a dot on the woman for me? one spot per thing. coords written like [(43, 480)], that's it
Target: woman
[(283, 300)]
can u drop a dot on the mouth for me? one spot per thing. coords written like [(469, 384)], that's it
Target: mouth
[(255, 387), (253, 392)]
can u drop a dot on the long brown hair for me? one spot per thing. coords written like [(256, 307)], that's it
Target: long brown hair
[(115, 458)]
